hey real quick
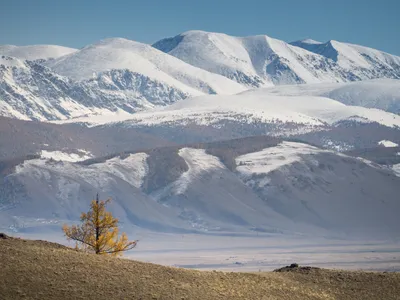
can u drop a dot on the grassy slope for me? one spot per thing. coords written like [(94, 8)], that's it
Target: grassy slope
[(42, 270)]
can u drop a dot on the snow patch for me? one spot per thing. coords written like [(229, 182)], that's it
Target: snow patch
[(270, 159), (199, 163), (64, 156), (131, 169), (389, 144), (11, 62), (309, 41), (396, 169)]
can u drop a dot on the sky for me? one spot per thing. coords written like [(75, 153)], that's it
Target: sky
[(76, 23)]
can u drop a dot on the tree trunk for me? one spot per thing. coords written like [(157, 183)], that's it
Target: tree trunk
[(97, 248)]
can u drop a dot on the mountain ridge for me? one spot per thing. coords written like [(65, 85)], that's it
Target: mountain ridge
[(236, 54), (216, 187), (119, 76)]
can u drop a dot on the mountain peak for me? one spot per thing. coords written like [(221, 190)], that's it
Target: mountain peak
[(115, 41), (194, 32), (307, 41)]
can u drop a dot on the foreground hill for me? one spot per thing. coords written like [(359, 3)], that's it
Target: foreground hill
[(43, 270)]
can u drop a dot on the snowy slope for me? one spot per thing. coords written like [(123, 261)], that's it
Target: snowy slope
[(121, 54), (260, 60), (34, 52), (217, 53), (363, 62), (379, 93), (273, 158), (254, 61), (257, 106), (289, 188), (211, 197), (54, 192), (386, 143), (30, 91), (309, 185)]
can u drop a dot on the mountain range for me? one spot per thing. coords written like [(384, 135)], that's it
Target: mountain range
[(203, 132), (117, 75)]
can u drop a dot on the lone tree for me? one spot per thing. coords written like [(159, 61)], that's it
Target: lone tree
[(99, 231)]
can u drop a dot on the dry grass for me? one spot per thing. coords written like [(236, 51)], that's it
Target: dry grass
[(43, 270)]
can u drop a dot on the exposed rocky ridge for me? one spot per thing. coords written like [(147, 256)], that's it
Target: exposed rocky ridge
[(32, 91)]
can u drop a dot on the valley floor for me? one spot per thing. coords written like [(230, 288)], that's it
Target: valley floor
[(44, 270), (265, 253), (254, 253)]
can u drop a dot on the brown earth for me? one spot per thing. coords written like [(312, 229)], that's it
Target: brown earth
[(44, 270)]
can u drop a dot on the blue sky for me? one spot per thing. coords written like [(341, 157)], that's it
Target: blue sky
[(76, 23)]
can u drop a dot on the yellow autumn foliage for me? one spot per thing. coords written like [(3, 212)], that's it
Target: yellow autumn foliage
[(99, 232)]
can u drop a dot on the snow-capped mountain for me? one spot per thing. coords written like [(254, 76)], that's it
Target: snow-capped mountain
[(262, 184), (114, 75), (260, 60), (138, 58), (35, 52), (31, 91), (120, 77)]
